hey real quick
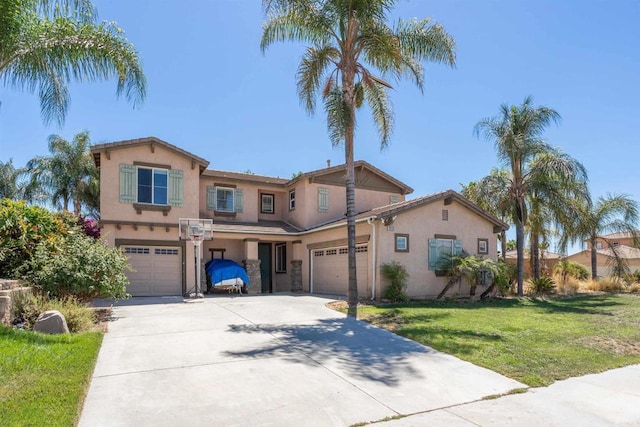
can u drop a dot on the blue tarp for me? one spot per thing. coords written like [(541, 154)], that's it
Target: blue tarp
[(223, 269)]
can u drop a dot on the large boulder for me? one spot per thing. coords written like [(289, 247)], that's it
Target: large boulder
[(51, 322)]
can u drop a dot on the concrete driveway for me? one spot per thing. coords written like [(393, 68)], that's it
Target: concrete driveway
[(267, 360)]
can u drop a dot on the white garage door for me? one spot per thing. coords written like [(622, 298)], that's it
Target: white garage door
[(331, 270), (158, 270)]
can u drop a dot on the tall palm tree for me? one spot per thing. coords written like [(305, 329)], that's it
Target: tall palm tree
[(348, 40), (67, 173), (615, 213), (46, 44), (517, 133)]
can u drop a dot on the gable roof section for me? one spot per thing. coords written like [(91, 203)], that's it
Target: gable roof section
[(620, 235), (152, 141), (367, 177), (623, 251), (447, 196), (245, 177)]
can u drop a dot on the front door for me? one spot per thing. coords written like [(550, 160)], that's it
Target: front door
[(264, 255)]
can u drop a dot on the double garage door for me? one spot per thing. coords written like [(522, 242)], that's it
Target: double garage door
[(331, 270), (158, 270)]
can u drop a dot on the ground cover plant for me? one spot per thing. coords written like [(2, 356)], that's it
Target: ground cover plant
[(534, 341), (43, 378)]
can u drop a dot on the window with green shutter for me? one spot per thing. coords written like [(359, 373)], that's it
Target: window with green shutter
[(127, 183), (176, 185), (441, 251), (323, 199)]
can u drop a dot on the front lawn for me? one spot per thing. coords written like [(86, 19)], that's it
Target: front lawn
[(534, 341), (44, 378)]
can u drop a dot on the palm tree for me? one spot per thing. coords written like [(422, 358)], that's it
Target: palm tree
[(67, 173), (348, 39), (615, 213), (517, 135), (9, 186), (46, 44), (491, 194)]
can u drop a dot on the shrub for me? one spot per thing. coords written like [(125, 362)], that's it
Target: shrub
[(397, 275), (79, 266), (606, 284), (29, 306), (571, 268), (542, 285), (23, 228), (569, 286)]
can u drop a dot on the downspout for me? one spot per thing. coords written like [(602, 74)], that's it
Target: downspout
[(372, 222)]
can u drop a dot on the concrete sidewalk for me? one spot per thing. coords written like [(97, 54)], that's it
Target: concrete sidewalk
[(611, 398), (267, 360)]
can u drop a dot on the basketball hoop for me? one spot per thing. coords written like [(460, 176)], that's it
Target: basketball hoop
[(196, 230)]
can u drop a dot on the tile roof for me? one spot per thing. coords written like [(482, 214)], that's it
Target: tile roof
[(238, 176), (260, 227)]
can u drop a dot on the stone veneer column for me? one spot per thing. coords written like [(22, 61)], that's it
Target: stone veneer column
[(252, 265), (255, 278), (296, 266)]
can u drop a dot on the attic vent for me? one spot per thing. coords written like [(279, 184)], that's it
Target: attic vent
[(445, 214)]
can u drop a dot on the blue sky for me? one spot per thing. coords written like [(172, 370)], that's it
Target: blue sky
[(213, 93)]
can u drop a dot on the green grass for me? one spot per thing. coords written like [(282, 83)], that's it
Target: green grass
[(44, 378), (533, 341)]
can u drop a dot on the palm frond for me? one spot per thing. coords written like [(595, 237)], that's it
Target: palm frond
[(376, 95), (339, 115), (312, 67)]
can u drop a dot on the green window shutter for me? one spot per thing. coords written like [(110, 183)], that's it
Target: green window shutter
[(457, 247), (211, 198), (127, 183), (434, 255), (176, 192), (238, 201), (323, 199)]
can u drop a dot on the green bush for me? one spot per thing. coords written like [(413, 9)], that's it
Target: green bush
[(397, 275), (29, 306), (80, 266), (571, 268), (24, 228), (542, 285)]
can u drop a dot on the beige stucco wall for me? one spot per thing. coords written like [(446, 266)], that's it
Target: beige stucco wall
[(110, 206), (603, 266), (422, 224), (306, 214)]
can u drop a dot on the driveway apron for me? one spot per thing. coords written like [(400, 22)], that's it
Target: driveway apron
[(267, 360)]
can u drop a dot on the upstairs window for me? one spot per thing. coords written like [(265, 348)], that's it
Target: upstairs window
[(266, 203), (152, 186), (292, 200), (224, 199)]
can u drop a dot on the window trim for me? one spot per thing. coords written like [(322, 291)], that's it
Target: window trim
[(280, 250), (233, 200), (153, 177), (486, 246), (273, 203), (397, 237), (437, 237), (292, 199)]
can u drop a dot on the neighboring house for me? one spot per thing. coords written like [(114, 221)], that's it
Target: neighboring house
[(622, 243), (548, 261), (289, 234)]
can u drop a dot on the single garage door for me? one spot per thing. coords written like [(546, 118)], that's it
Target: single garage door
[(158, 270), (331, 270)]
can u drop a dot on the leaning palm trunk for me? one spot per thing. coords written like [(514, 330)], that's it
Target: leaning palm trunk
[(503, 244), (452, 281), (535, 256)]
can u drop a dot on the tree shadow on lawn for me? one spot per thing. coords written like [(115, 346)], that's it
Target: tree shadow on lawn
[(589, 304), (358, 349), (456, 342)]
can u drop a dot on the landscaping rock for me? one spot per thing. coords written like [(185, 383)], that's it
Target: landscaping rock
[(51, 322)]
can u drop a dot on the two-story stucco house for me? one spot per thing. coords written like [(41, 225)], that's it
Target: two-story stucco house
[(291, 233)]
